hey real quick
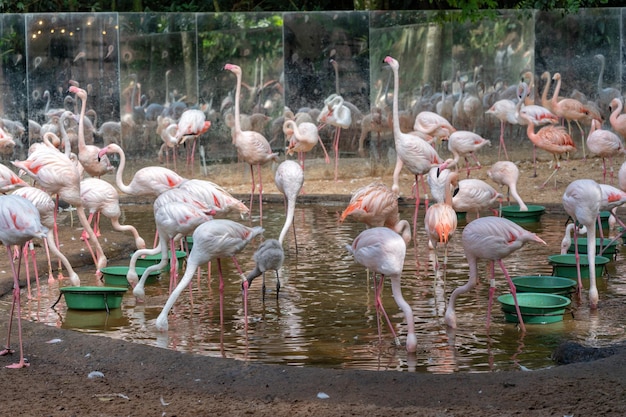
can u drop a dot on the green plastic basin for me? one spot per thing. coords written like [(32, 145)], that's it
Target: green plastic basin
[(93, 298), (513, 213), (115, 276), (150, 260), (536, 308), (565, 265), (610, 251), (545, 284)]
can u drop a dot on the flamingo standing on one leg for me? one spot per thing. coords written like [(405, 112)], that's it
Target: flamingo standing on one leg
[(507, 173), (19, 223), (270, 254), (252, 147), (214, 239), (382, 251), (335, 113), (581, 201), (414, 153), (604, 144), (491, 238)]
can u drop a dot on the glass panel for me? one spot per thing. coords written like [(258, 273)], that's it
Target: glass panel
[(13, 106), (76, 47), (254, 41), (158, 69)]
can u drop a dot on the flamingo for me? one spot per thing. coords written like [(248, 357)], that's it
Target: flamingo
[(335, 113), (214, 196), (566, 242), (252, 147), (440, 222), (581, 201), (434, 125), (56, 174), (604, 144), (214, 239), (415, 153), (504, 110), (507, 173), (607, 94), (19, 223), (304, 137), (491, 238), (617, 119), (382, 251), (465, 143), (376, 205), (474, 195), (270, 254), (88, 154), (9, 180), (148, 181), (192, 123), (569, 109), (553, 139), (46, 207)]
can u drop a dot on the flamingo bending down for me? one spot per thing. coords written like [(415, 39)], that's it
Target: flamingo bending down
[(553, 139), (270, 254), (148, 181), (464, 143), (335, 113), (382, 251), (581, 201), (214, 239), (252, 147), (566, 242), (507, 173), (604, 144), (491, 238), (413, 152), (19, 223), (474, 195), (303, 138)]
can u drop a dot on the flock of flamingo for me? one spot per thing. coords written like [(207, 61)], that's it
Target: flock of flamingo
[(192, 207)]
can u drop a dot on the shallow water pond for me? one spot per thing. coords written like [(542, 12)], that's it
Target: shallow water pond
[(324, 314)]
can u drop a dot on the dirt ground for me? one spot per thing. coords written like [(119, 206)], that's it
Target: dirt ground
[(140, 380)]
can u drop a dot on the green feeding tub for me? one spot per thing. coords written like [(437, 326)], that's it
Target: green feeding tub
[(93, 298), (150, 260), (565, 265), (536, 308), (604, 220), (461, 215), (545, 284), (115, 276), (609, 252), (99, 320), (532, 215)]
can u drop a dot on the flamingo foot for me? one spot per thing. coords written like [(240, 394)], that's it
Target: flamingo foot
[(18, 365), (50, 279), (6, 351)]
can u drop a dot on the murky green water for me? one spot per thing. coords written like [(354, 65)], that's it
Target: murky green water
[(324, 315)]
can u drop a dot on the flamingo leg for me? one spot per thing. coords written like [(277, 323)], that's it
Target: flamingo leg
[(514, 294), (379, 303), (16, 300), (502, 144), (336, 148)]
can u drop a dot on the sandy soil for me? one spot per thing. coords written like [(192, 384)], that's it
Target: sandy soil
[(147, 381)]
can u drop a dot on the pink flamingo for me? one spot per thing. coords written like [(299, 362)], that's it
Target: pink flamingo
[(569, 109), (148, 181), (440, 222), (581, 201), (617, 119), (474, 195), (174, 220), (604, 144), (335, 113), (434, 125), (215, 239), (382, 251), (464, 143), (507, 173), (19, 223), (553, 139), (376, 205), (88, 154), (303, 138), (9, 180), (504, 110), (252, 147), (56, 174), (214, 196), (46, 207), (491, 238), (415, 153), (270, 254), (192, 123)]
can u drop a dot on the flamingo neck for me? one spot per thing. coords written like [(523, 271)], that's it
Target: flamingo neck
[(120, 171), (237, 92), (396, 117), (81, 125)]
